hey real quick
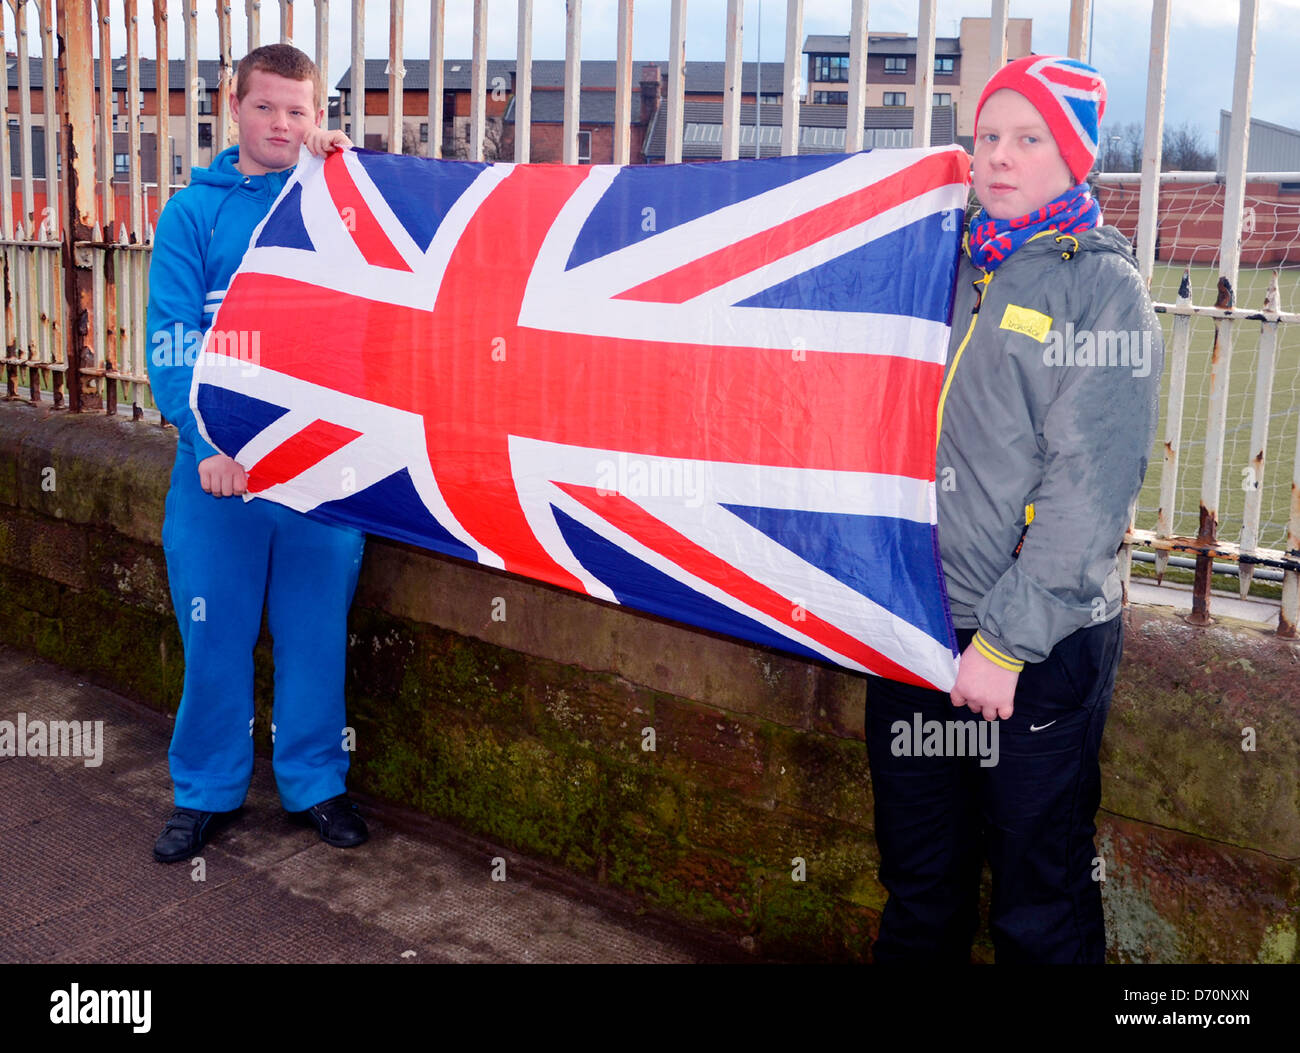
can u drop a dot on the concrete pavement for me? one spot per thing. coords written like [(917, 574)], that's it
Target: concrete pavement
[(78, 882)]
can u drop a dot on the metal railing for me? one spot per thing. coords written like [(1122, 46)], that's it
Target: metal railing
[(75, 267)]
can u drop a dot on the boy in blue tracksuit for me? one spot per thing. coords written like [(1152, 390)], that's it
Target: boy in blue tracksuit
[(227, 557)]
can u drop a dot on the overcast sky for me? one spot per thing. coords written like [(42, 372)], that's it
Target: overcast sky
[(1202, 45)]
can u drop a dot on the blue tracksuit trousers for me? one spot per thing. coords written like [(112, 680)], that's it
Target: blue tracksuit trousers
[(226, 558)]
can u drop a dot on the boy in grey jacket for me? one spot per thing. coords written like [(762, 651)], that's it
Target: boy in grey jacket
[(1047, 414)]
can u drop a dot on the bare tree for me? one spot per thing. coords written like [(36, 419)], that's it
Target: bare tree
[(1183, 150), (493, 129), (1133, 138), (1121, 148), (410, 140)]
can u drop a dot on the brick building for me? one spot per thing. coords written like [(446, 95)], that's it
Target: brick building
[(961, 68)]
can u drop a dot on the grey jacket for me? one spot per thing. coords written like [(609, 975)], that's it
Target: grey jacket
[(1048, 413)]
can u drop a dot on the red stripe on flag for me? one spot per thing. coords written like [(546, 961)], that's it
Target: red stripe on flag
[(717, 268), (365, 229), (1084, 82), (298, 453), (836, 411), (637, 523)]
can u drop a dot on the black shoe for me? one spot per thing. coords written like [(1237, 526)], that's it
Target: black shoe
[(337, 821), (186, 832)]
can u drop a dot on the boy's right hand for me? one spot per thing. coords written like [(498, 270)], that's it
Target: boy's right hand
[(324, 141), (222, 476)]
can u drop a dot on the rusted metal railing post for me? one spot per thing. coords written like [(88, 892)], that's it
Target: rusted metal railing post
[(675, 103), (1177, 366), (1288, 618), (854, 117), (134, 107), (1077, 46), (107, 110), (7, 342), (1253, 481), (572, 78), (162, 127), (224, 84), (253, 23), (323, 55), (52, 310), (792, 85), (1207, 532), (523, 83), (926, 13), (24, 117), (77, 106), (478, 82), (357, 82), (1229, 262), (437, 37), (1149, 200), (195, 88), (999, 14), (622, 145), (397, 73)]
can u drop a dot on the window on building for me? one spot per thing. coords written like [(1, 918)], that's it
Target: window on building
[(942, 98), (831, 96), (205, 133), (584, 148), (176, 164), (347, 102), (895, 98), (424, 131), (205, 102), (770, 99), (831, 67), (895, 64), (943, 65), (889, 138), (121, 164), (1288, 188)]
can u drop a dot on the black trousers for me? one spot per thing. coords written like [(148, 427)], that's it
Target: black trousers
[(1031, 813)]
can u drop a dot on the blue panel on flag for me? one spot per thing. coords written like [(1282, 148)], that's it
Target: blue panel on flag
[(232, 419), (395, 499), (1085, 111), (895, 274), (420, 195), (659, 594), (860, 551), (284, 227), (646, 200)]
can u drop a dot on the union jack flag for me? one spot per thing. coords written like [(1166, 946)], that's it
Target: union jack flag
[(706, 391)]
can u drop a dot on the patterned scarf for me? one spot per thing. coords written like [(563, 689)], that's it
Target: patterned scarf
[(992, 241)]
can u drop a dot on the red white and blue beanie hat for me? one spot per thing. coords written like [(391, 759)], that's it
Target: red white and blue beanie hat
[(1069, 94)]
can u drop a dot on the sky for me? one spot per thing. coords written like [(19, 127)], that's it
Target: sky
[(1202, 40)]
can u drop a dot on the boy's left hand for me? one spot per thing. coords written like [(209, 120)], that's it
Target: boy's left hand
[(988, 689), (323, 141)]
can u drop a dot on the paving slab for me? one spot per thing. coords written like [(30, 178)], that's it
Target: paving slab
[(78, 882)]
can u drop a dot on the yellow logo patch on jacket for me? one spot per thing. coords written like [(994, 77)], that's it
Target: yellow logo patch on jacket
[(1028, 321)]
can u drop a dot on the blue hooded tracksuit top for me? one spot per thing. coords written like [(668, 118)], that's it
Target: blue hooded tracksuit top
[(227, 558)]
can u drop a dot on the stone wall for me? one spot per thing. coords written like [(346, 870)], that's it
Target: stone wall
[(522, 712)]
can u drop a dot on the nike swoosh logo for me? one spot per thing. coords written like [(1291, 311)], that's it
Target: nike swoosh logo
[(1035, 727)]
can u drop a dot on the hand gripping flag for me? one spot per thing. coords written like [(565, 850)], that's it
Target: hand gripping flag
[(706, 391)]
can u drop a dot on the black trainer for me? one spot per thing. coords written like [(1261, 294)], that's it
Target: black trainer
[(338, 822), (186, 832)]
